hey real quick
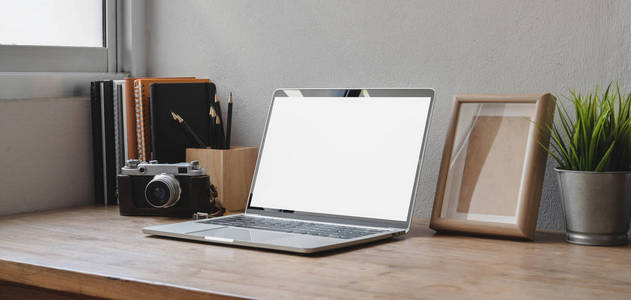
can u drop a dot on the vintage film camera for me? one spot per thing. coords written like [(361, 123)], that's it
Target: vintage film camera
[(175, 190)]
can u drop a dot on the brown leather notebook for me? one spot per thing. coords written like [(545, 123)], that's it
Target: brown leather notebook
[(130, 118), (143, 113)]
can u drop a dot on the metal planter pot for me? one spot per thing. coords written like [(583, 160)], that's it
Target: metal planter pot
[(597, 206)]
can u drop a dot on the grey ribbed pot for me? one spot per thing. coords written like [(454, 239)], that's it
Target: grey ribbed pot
[(597, 206)]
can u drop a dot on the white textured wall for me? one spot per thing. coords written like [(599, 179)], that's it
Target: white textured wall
[(254, 47), (45, 154)]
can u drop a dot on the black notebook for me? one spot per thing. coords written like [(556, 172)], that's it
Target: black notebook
[(103, 141), (191, 101), (97, 141)]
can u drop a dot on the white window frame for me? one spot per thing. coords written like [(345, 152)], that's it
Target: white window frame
[(59, 71), (19, 58)]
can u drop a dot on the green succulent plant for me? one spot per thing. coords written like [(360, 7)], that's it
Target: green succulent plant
[(597, 137)]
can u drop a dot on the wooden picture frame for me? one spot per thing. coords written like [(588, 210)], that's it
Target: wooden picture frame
[(492, 168)]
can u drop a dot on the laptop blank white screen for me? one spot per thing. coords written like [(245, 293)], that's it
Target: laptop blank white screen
[(342, 156)]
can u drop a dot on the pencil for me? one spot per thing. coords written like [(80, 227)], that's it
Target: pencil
[(229, 124), (213, 128), (220, 117), (211, 121), (188, 128), (217, 106), (220, 136)]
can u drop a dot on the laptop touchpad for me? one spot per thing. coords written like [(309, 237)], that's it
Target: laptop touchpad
[(240, 234)]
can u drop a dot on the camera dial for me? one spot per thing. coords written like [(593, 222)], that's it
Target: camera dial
[(163, 191)]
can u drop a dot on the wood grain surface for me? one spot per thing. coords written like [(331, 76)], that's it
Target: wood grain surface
[(231, 171), (94, 251)]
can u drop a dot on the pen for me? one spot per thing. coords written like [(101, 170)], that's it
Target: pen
[(229, 124), (188, 128)]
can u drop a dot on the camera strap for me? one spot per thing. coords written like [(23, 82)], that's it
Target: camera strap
[(215, 210)]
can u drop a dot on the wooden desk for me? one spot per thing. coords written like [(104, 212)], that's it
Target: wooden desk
[(94, 251)]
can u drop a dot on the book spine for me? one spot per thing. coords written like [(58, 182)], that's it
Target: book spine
[(118, 133), (139, 122), (109, 117), (146, 119), (131, 142), (97, 151), (125, 123)]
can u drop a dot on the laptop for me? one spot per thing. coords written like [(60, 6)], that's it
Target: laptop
[(336, 167)]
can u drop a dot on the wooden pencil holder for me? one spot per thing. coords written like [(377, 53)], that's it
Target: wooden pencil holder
[(230, 170)]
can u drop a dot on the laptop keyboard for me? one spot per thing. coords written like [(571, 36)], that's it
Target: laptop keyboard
[(291, 226)]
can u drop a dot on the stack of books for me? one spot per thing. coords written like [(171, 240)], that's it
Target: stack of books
[(121, 127)]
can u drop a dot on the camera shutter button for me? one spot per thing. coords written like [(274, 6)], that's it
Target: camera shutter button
[(132, 163)]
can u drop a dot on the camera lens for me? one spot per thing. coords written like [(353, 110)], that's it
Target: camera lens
[(162, 191)]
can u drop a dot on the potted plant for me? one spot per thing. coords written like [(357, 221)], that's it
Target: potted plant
[(592, 147)]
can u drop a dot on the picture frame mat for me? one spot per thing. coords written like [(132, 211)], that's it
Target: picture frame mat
[(525, 110)]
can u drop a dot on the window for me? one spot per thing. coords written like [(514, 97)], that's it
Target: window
[(58, 36), (52, 23)]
